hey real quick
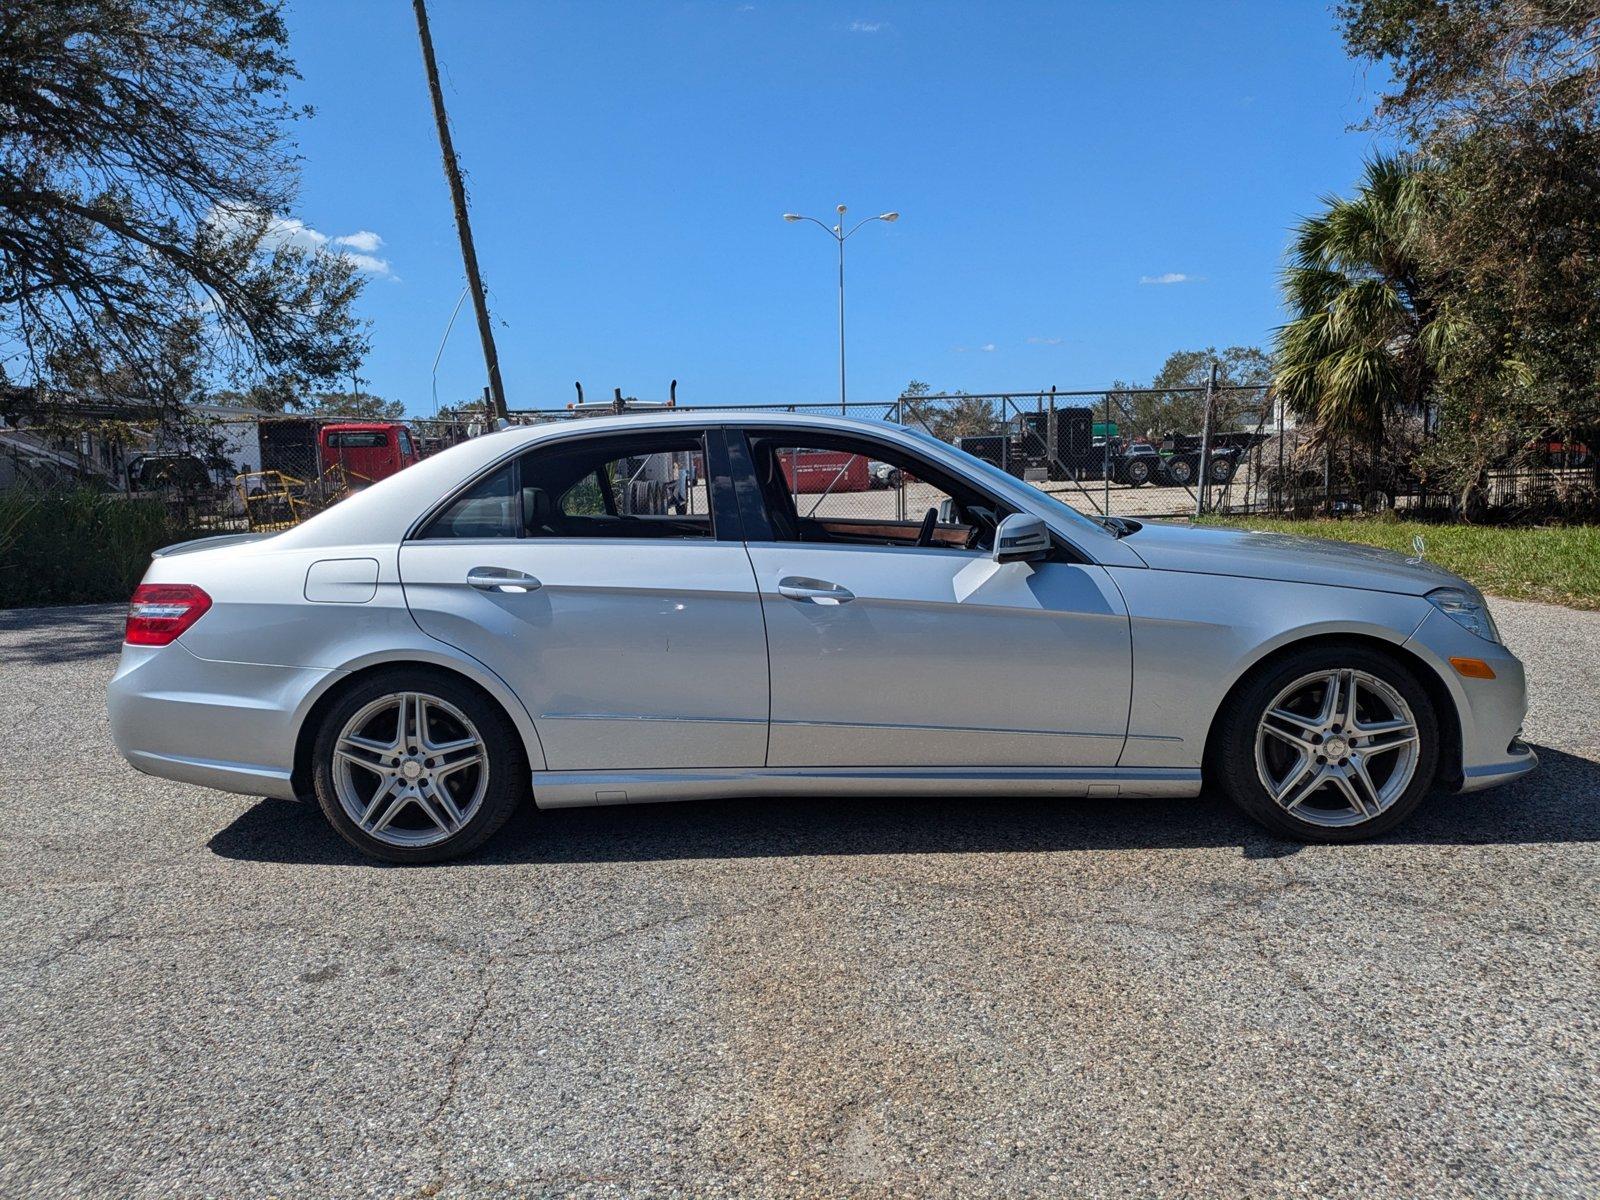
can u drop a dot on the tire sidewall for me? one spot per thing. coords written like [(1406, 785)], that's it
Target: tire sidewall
[(507, 774), (1236, 759)]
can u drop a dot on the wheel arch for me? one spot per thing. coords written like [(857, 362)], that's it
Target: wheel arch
[(1427, 675), (319, 702)]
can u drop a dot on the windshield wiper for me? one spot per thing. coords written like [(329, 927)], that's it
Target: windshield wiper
[(1117, 525)]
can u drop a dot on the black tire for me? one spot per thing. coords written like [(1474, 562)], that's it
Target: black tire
[(1136, 473), (1180, 471), (1232, 765), (505, 763), (1222, 470)]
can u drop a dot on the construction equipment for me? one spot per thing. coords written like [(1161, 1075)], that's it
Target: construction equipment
[(275, 500)]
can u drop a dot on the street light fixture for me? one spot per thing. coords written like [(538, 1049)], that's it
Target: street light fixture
[(838, 234)]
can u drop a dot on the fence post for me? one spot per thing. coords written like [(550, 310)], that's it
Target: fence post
[(1278, 500), (1105, 467), (1205, 445)]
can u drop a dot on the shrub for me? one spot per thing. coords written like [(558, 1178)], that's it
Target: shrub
[(77, 546)]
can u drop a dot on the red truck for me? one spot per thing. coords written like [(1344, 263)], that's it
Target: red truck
[(372, 450)]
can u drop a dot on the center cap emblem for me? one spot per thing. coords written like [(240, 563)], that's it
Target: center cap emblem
[(412, 769), (1336, 747)]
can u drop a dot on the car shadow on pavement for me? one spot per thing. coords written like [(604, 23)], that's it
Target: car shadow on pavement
[(1558, 803), (71, 633)]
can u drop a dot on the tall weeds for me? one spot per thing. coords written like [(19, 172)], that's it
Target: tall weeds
[(76, 546)]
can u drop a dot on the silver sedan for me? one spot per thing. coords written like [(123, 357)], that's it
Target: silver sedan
[(674, 606)]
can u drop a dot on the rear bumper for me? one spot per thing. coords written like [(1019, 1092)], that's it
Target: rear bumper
[(229, 726)]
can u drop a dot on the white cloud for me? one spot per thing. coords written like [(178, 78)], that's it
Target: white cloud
[(987, 347), (358, 248), (1172, 277), (363, 240), (1044, 341), (868, 26)]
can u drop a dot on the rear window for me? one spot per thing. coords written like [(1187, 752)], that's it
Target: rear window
[(358, 439)]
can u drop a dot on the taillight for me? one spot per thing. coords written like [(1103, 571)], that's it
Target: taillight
[(160, 612)]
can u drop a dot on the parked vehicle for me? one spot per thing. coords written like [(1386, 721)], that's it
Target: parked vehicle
[(369, 450), (495, 617), (169, 472)]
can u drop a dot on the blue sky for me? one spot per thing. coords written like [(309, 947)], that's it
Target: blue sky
[(1083, 187)]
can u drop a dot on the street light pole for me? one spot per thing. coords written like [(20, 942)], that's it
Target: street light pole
[(837, 233), (844, 409)]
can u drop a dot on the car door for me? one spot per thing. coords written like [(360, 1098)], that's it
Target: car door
[(885, 652), (593, 575)]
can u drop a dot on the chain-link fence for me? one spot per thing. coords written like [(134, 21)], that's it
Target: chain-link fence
[(1146, 453), (1169, 453)]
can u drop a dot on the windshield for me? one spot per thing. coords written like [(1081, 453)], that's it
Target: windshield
[(994, 474)]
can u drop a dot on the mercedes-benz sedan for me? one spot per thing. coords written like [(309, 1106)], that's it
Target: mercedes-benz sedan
[(681, 605)]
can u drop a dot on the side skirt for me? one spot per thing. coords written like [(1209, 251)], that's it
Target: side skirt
[(576, 789)]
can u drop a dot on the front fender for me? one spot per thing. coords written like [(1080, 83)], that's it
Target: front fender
[(1195, 636)]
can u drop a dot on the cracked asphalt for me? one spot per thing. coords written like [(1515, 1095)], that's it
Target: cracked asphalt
[(207, 995)]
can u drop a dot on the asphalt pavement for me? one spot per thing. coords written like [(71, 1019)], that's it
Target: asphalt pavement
[(209, 995)]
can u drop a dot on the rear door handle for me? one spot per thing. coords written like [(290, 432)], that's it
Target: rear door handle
[(813, 591), (501, 579)]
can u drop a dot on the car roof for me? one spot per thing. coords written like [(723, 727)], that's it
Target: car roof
[(654, 418)]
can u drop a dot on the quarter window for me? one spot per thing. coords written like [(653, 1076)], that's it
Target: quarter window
[(485, 510)]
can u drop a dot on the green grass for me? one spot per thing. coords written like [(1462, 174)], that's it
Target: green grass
[(1559, 564), (76, 546)]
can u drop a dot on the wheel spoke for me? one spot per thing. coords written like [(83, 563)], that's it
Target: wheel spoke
[(450, 768), (1283, 735), (1347, 710), (360, 752), (1361, 782), (391, 792), (1392, 739), (418, 705), (459, 744), (1330, 700), (1351, 793), (1295, 720), (440, 807), (1304, 779)]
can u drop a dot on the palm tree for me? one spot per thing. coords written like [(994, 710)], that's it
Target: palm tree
[(1367, 334)]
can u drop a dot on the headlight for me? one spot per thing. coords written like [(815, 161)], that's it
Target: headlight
[(1466, 610)]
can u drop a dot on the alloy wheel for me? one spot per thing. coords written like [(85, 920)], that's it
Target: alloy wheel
[(410, 769), (1337, 748)]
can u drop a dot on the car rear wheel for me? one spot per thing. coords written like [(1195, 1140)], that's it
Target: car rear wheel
[(1331, 744), (414, 766)]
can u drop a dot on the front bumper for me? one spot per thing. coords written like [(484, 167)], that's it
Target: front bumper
[(229, 726), (1490, 710)]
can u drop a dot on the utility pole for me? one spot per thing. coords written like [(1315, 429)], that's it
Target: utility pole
[(458, 197)]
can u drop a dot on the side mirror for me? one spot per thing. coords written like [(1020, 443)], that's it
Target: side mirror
[(1021, 537)]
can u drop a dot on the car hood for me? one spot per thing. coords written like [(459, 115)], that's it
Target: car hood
[(1255, 554)]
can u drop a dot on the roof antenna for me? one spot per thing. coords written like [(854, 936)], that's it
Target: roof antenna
[(579, 385), (672, 395), (618, 404)]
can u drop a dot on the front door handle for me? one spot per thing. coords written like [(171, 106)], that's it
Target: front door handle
[(813, 591), (501, 579)]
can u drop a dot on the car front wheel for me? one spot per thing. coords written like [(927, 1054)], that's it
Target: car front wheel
[(1331, 744), (414, 766)]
